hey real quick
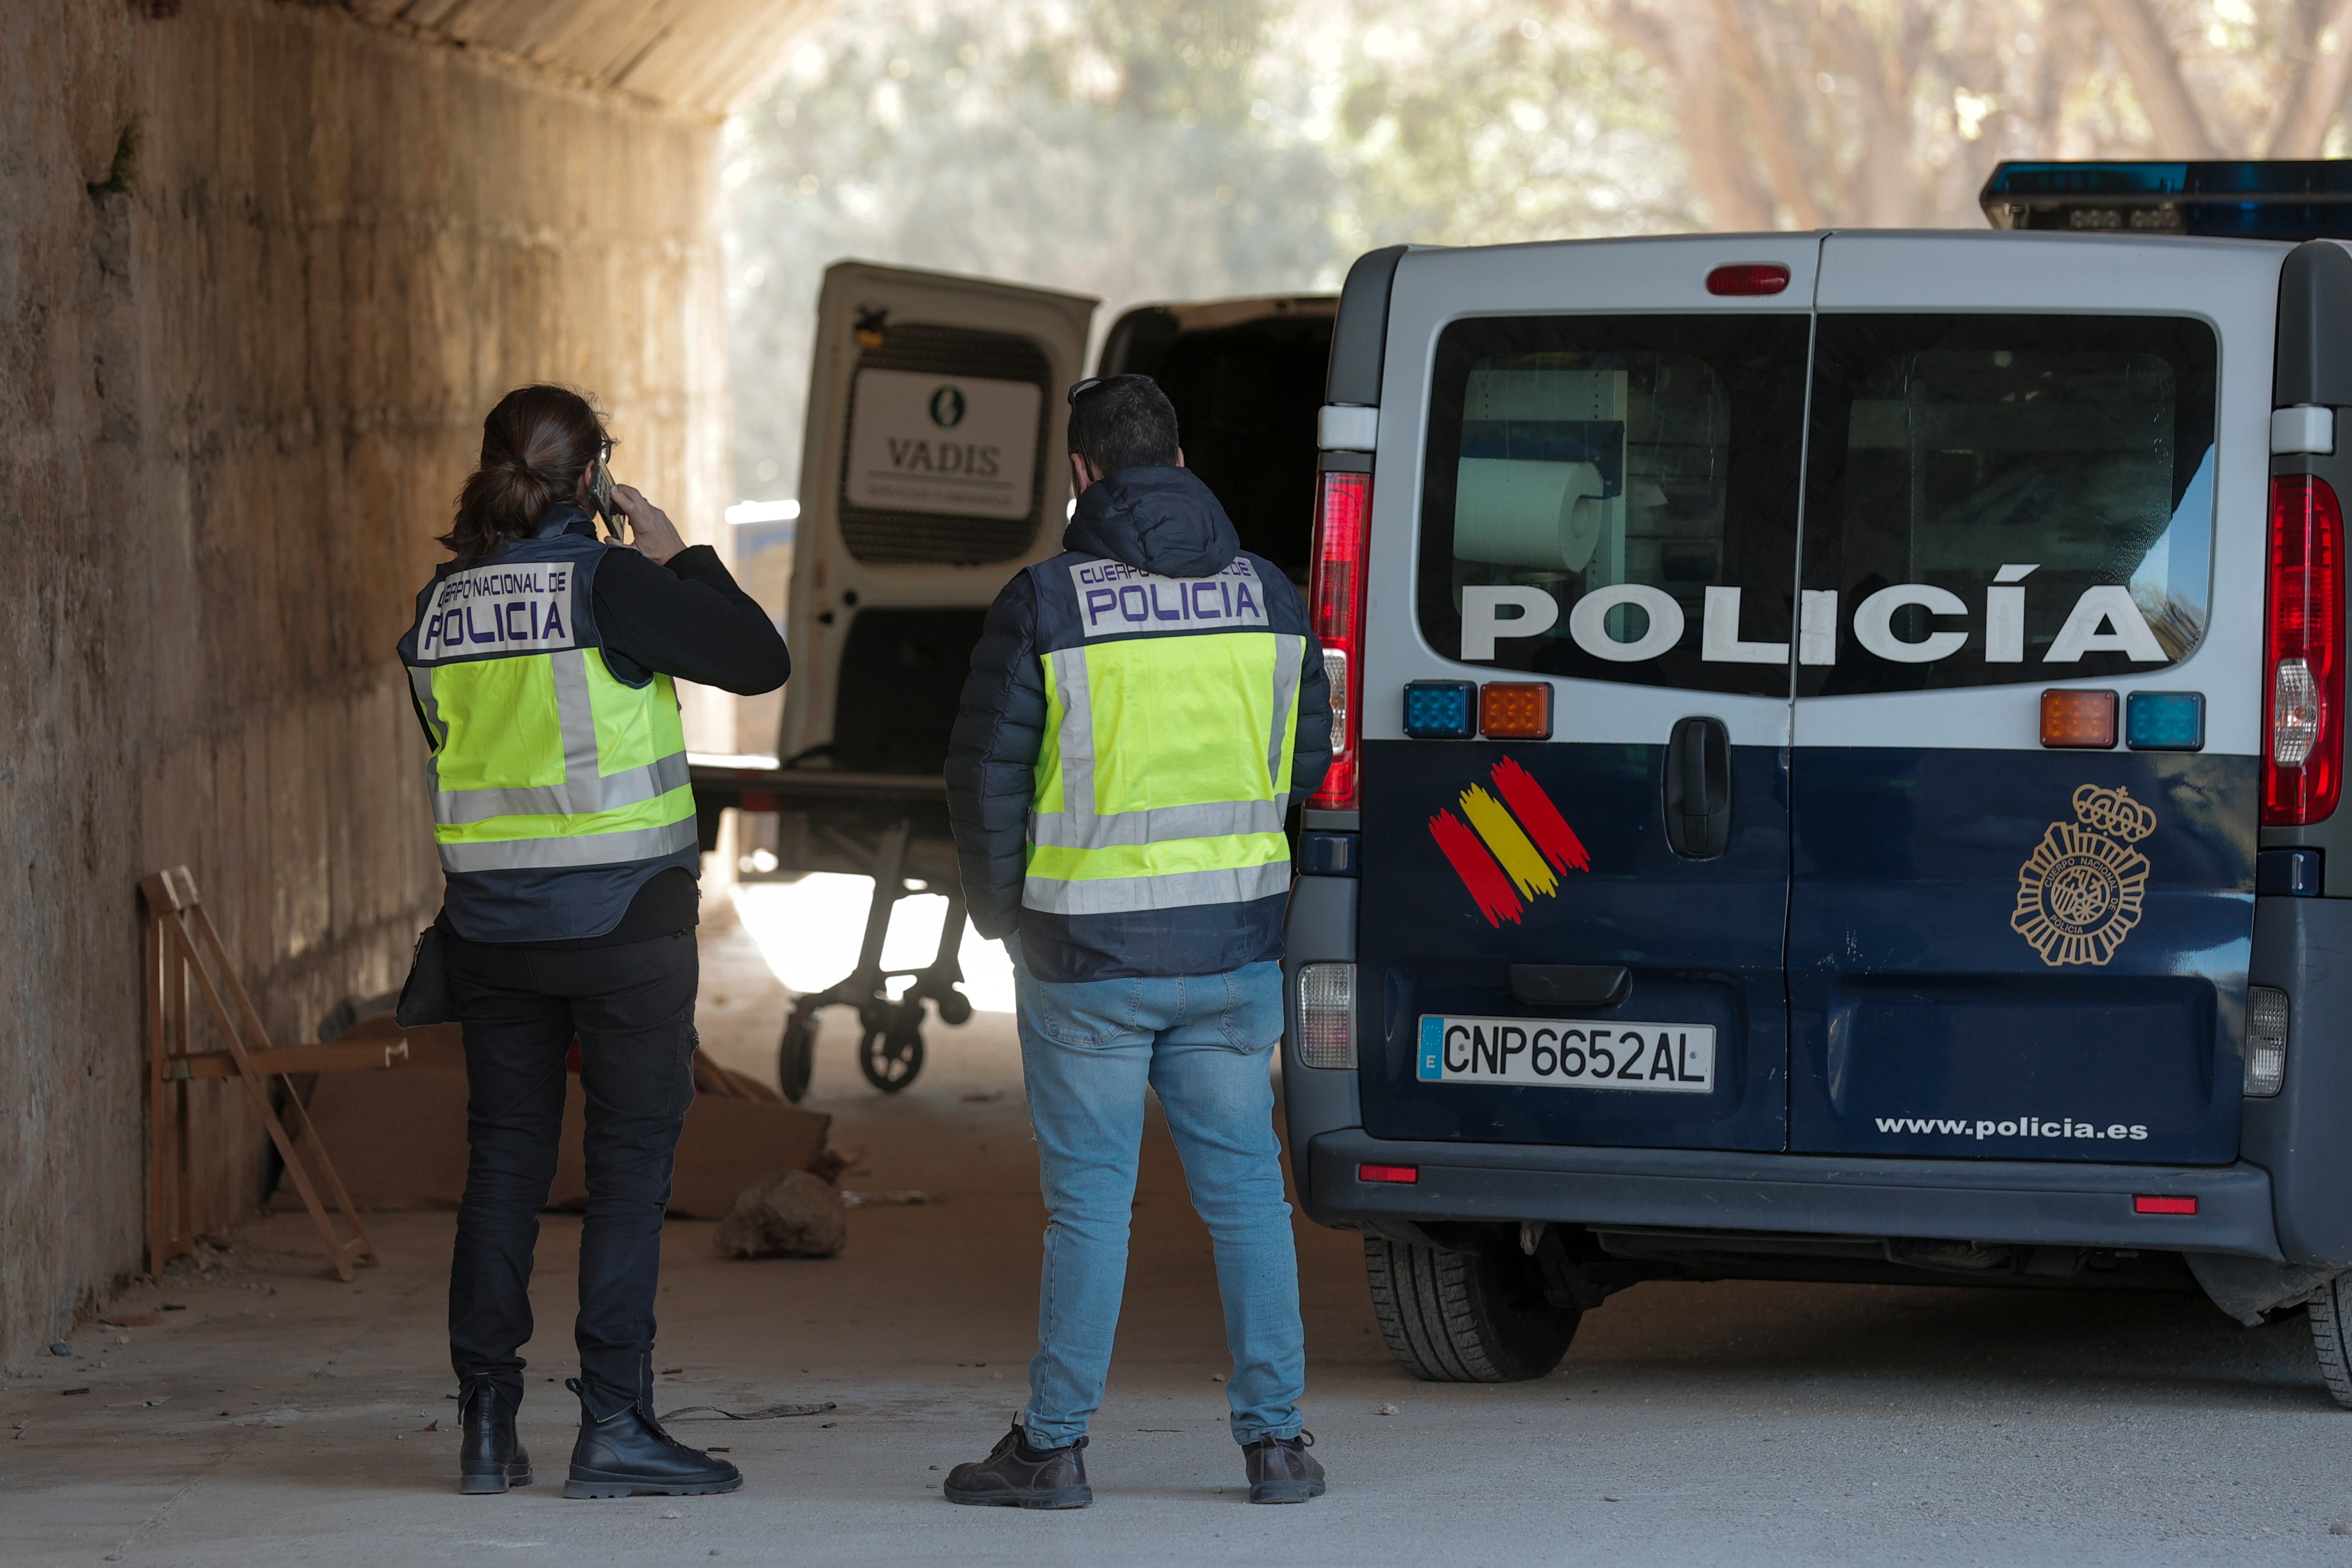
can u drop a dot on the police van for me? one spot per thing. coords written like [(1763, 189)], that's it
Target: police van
[(1839, 776)]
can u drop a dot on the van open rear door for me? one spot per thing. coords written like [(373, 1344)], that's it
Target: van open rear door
[(1246, 378), (931, 470)]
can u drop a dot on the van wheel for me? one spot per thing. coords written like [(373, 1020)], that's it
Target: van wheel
[(1465, 1317), (2331, 1336)]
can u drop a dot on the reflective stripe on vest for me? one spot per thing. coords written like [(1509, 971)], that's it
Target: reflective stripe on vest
[(547, 762), (1165, 773)]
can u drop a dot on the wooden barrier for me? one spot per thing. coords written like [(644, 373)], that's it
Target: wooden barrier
[(184, 955)]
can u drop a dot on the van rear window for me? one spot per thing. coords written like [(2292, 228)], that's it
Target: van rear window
[(1996, 499), (1615, 497)]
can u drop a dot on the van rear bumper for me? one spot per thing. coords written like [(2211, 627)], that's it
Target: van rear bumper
[(2015, 1202)]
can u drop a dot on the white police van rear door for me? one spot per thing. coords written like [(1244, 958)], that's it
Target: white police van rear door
[(1586, 485), (2034, 515)]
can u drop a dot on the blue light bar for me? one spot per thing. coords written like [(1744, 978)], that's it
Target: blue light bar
[(2165, 721), (2289, 199), (1441, 710)]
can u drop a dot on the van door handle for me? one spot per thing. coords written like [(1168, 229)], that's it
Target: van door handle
[(1698, 789)]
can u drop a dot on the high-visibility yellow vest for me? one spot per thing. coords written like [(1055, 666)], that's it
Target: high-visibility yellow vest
[(1164, 774), (543, 759)]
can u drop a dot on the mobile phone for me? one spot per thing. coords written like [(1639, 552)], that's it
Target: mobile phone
[(600, 493)]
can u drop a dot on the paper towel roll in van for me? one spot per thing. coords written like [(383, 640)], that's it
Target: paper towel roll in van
[(1508, 511)]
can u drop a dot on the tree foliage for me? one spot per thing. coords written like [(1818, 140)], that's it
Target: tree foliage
[(1159, 149)]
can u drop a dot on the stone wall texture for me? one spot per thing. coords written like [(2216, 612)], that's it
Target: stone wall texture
[(238, 393)]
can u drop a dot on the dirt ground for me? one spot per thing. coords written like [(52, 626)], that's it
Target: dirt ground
[(280, 1416)]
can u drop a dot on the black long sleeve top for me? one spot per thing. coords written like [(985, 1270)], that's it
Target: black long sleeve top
[(688, 618)]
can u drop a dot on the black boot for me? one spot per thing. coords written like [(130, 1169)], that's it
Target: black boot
[(1280, 1469), (627, 1453), (1015, 1474), (489, 1458)]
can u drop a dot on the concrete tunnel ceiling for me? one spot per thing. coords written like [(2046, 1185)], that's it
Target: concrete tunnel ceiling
[(703, 55), (263, 265)]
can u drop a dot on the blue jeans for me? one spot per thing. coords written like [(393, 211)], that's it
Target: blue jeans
[(1203, 1043)]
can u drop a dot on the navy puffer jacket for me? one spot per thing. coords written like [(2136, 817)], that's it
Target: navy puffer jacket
[(1164, 521)]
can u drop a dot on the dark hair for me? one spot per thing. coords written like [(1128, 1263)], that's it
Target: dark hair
[(1125, 422), (535, 445)]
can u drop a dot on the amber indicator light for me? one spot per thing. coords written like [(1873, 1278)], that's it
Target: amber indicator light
[(1515, 710), (1748, 277), (2160, 1202), (2078, 719)]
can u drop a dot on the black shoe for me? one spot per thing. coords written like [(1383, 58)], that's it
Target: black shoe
[(1015, 1474), (490, 1458), (1282, 1470), (627, 1453)]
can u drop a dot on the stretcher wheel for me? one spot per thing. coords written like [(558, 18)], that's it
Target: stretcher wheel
[(955, 1007), (892, 1055), (795, 1055)]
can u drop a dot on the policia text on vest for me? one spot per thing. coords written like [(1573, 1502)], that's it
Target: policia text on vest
[(1149, 791), (545, 760), (1142, 710)]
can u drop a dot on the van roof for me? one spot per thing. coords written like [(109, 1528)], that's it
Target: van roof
[(2277, 199)]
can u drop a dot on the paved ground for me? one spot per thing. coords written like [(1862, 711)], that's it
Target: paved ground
[(1747, 1424)]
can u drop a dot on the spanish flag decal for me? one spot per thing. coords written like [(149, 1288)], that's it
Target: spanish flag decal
[(1514, 849)]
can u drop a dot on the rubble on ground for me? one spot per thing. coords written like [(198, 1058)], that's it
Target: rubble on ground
[(785, 1214)]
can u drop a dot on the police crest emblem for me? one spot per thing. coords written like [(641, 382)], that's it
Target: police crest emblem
[(2079, 893)]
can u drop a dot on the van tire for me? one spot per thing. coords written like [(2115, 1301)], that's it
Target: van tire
[(1465, 1317), (2331, 1335)]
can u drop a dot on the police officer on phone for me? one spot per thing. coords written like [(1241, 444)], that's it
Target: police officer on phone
[(541, 662)]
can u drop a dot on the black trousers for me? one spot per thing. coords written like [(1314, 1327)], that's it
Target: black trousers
[(632, 1008)]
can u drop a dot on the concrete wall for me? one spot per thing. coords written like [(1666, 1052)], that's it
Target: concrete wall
[(235, 403)]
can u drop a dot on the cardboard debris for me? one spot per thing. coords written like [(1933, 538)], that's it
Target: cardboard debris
[(399, 1136)]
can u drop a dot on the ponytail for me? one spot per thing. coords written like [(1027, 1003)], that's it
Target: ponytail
[(536, 444)]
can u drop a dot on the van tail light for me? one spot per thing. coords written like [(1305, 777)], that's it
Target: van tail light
[(2266, 1021), (2303, 664), (1336, 599), (1327, 1016)]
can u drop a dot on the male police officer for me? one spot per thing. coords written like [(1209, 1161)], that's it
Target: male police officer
[(1142, 707)]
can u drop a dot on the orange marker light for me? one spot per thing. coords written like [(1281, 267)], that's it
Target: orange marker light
[(1515, 710), (2078, 719)]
